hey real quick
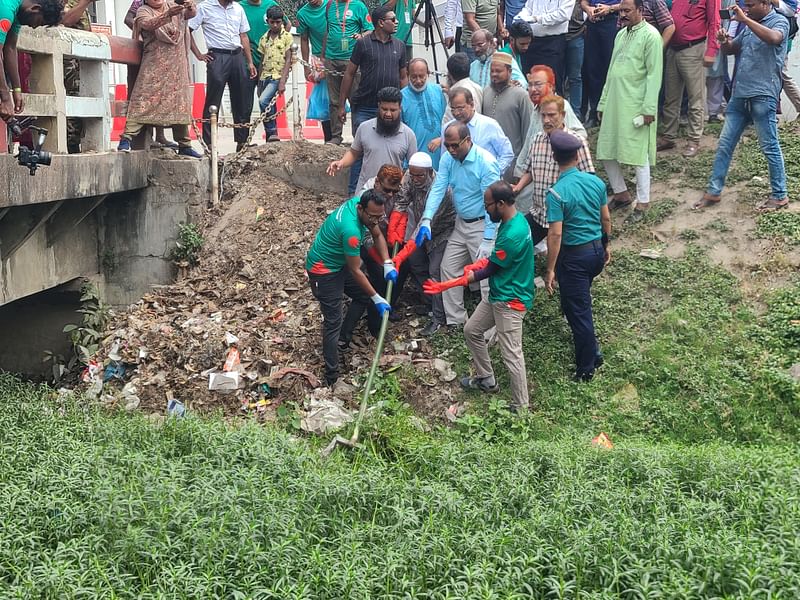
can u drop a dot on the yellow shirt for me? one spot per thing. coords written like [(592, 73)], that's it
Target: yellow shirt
[(273, 51)]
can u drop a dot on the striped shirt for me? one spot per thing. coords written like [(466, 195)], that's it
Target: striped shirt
[(380, 64)]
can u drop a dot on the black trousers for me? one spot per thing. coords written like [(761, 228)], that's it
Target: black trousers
[(575, 271), (230, 70), (599, 46), (549, 50), (538, 233), (329, 290)]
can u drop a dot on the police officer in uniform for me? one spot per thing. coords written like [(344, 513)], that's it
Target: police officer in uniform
[(577, 246)]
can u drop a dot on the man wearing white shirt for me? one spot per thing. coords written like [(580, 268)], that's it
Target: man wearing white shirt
[(549, 21), (453, 22), (228, 61)]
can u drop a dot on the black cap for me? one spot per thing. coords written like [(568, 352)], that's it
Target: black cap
[(561, 141)]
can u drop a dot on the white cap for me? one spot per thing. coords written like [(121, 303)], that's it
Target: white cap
[(422, 160)]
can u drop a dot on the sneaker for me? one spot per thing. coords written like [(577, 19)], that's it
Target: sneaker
[(168, 144), (716, 119), (430, 329), (486, 385), (124, 146), (189, 151)]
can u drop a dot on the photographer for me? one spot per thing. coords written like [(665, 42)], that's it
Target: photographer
[(33, 13), (760, 46)]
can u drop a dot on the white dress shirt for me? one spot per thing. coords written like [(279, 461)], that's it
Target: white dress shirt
[(547, 17), (453, 17), (221, 24)]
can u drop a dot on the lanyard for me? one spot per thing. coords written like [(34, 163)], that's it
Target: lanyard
[(344, 19)]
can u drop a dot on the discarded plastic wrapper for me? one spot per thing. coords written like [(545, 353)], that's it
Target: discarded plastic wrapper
[(602, 441), (232, 361), (114, 370), (176, 408), (114, 354), (91, 372), (223, 382), (231, 339), (650, 253)]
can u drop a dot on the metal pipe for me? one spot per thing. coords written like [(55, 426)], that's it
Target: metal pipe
[(213, 110), (296, 108)]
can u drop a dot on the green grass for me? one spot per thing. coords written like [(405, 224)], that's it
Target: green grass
[(98, 505), (780, 225)]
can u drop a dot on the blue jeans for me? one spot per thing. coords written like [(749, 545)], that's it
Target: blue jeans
[(358, 115), (574, 67), (761, 111), (575, 271), (267, 88)]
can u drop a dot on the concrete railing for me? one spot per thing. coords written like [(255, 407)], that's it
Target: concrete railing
[(48, 100)]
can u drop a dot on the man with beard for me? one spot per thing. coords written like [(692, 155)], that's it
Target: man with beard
[(381, 61), (423, 108), (507, 104), (425, 262), (540, 169), (469, 170), (382, 140), (13, 15), (484, 46), (542, 84), (628, 108), (509, 270), (229, 62), (519, 40), (484, 131)]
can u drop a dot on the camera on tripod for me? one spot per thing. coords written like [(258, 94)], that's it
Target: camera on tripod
[(31, 158)]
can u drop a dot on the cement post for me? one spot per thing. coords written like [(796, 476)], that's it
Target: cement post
[(298, 124), (214, 163)]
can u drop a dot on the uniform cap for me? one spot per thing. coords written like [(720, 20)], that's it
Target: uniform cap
[(561, 141)]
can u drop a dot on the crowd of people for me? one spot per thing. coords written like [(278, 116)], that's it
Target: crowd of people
[(460, 184)]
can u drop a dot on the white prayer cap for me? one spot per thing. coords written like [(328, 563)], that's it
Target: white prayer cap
[(422, 160)]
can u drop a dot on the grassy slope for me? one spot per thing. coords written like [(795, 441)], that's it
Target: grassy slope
[(698, 499)]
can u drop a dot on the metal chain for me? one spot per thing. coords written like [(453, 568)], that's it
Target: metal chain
[(199, 135), (321, 67)]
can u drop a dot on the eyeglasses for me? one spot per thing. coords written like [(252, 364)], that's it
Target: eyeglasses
[(454, 146), (375, 219), (538, 84)]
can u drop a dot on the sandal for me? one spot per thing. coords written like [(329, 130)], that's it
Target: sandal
[(771, 205), (706, 201), (620, 200)]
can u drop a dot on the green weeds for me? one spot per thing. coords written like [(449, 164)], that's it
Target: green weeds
[(188, 245), (781, 225)]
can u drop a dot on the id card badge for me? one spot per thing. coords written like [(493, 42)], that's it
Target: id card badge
[(345, 44), (406, 19)]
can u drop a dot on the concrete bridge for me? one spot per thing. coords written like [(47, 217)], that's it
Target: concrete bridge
[(103, 215)]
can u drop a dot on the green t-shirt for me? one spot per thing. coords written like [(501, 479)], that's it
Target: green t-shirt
[(404, 9), (339, 237), (311, 21), (345, 19), (258, 27), (8, 18), (575, 200), (513, 253)]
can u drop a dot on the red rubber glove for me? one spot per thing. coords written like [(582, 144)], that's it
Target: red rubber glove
[(396, 234), (373, 254), (476, 266), (407, 251), (437, 287)]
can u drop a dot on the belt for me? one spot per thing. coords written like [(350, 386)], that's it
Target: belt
[(593, 244), (679, 47), (223, 51), (473, 220)]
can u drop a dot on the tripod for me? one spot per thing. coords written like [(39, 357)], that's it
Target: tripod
[(431, 20)]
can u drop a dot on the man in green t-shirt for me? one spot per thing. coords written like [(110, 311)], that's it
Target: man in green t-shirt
[(346, 21), (577, 246), (312, 26), (509, 269), (404, 11), (13, 15), (333, 264)]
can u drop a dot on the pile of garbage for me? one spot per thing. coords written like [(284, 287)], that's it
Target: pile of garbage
[(240, 331)]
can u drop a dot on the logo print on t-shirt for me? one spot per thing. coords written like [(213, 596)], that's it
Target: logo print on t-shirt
[(353, 242), (501, 254), (5, 25), (348, 13)]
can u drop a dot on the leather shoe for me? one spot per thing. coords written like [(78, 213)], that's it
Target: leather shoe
[(665, 144), (690, 151)]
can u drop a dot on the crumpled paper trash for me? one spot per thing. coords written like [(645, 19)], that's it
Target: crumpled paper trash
[(324, 413)]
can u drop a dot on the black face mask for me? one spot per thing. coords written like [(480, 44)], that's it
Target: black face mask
[(388, 127)]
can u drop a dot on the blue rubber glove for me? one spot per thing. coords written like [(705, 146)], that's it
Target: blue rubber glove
[(424, 232), (381, 304), (389, 272)]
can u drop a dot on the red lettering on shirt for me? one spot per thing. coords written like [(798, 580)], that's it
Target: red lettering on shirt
[(501, 254), (319, 268), (5, 25), (353, 242)]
